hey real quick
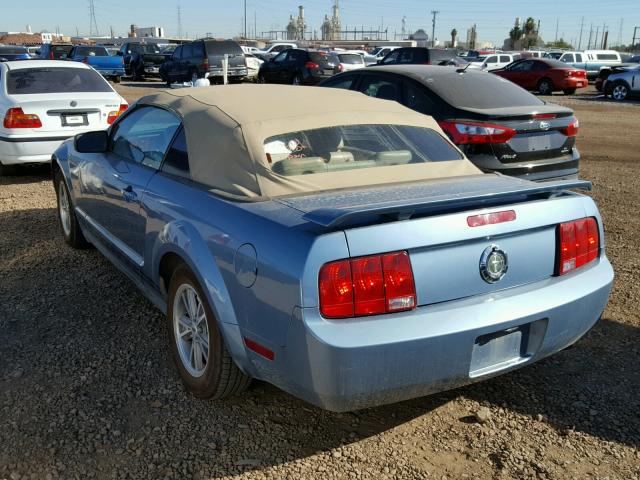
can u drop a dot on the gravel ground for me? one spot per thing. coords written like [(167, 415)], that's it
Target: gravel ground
[(87, 389)]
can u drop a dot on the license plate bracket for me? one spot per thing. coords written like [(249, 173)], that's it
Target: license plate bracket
[(505, 348), (74, 119)]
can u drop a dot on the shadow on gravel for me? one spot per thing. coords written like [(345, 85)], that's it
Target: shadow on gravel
[(23, 174), (86, 384)]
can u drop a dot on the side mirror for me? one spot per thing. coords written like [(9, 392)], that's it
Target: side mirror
[(92, 142), (378, 62), (120, 53)]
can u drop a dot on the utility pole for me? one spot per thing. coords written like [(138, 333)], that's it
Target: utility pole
[(581, 25), (255, 25), (245, 19), (179, 22), (595, 43), (633, 41), (602, 40), (556, 40), (590, 35), (433, 27), (93, 24)]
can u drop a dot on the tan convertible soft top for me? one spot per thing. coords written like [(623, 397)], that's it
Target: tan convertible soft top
[(226, 127)]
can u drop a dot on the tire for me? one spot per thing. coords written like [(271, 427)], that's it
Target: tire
[(569, 91), (261, 78), (69, 226), (545, 86), (297, 79), (218, 377), (6, 170), (116, 79), (193, 75), (619, 91)]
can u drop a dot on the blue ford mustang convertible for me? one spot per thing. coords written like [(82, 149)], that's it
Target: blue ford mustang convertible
[(337, 246)]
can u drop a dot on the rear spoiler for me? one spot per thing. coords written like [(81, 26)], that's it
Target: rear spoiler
[(404, 209)]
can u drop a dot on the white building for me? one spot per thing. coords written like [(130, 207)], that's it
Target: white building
[(157, 32)]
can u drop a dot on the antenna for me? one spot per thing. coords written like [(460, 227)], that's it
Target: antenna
[(93, 24), (433, 27), (179, 22)]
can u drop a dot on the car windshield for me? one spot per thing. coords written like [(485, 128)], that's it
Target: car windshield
[(169, 49), (351, 58), (55, 80), (352, 147), (92, 51), (478, 90), (555, 63), (13, 50), (149, 48), (476, 59), (553, 55)]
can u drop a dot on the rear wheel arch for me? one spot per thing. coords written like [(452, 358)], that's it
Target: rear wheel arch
[(168, 264)]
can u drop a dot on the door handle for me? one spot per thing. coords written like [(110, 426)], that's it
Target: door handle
[(127, 189)]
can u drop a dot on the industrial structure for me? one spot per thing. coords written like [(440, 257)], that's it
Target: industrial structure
[(332, 27)]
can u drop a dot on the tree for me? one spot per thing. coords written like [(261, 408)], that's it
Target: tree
[(529, 26), (515, 33), (454, 34), (559, 44)]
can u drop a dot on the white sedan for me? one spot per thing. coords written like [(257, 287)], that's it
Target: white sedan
[(44, 102)]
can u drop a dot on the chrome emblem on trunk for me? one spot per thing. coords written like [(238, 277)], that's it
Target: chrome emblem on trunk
[(73, 103), (545, 125), (493, 264)]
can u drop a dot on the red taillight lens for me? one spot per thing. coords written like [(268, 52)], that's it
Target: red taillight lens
[(51, 55), (205, 64), (16, 118), (578, 244), (463, 133), (571, 130), (340, 67), (336, 290), (544, 116), (85, 60), (311, 65), (367, 286), (113, 115)]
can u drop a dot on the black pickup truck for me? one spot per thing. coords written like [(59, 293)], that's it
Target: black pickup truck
[(141, 59)]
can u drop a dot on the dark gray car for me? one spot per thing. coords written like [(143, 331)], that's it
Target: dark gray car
[(498, 125), (203, 59)]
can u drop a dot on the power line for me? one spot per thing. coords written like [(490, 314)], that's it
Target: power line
[(581, 25)]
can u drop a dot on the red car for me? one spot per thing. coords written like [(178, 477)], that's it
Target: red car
[(544, 75)]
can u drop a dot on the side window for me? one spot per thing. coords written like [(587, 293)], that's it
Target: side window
[(278, 48), (143, 135), (281, 57), (392, 57), (295, 56), (540, 66), (187, 51), (567, 58), (198, 50), (134, 48), (405, 56), (492, 59), (176, 53), (383, 88), (177, 160), (345, 82), (505, 59), (578, 57), (417, 99)]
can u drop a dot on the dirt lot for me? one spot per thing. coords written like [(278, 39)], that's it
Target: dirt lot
[(87, 390)]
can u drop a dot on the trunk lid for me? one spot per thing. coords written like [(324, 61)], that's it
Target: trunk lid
[(58, 116), (429, 220), (539, 133)]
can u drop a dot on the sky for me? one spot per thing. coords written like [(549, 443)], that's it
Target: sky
[(494, 18)]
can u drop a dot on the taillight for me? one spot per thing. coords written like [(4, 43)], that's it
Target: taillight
[(16, 118), (311, 65), (475, 133), (491, 218), (51, 55), (340, 67), (571, 130), (85, 60), (205, 64), (115, 114), (544, 116), (367, 286), (578, 244)]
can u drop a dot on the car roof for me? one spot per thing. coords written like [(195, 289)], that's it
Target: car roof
[(417, 72), (235, 120), (20, 65)]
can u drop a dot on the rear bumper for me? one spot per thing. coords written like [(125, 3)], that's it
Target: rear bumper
[(232, 73), (348, 365), (17, 150), (574, 83), (111, 72), (565, 166)]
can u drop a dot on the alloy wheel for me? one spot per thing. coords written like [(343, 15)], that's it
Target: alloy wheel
[(191, 330), (619, 92), (63, 208)]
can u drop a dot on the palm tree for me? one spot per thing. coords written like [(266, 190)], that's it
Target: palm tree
[(454, 34), (529, 26)]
